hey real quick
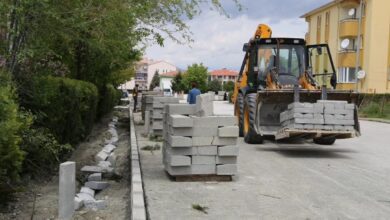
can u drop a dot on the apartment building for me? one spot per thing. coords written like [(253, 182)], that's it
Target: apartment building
[(223, 75), (146, 68), (358, 35)]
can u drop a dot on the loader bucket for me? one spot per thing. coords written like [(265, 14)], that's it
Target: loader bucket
[(272, 102)]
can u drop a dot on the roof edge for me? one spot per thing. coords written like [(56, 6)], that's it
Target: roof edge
[(321, 8)]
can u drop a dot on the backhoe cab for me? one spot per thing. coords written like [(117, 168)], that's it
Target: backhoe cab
[(276, 72)]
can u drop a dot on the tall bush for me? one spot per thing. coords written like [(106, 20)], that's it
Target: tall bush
[(228, 86), (214, 86), (11, 125), (67, 107), (109, 97), (42, 151)]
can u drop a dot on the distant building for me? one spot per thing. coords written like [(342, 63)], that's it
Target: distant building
[(129, 85), (145, 70), (223, 75), (166, 79), (161, 67), (337, 24)]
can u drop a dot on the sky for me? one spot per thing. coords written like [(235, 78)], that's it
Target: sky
[(218, 40)]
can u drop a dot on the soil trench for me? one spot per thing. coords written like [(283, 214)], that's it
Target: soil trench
[(40, 199)]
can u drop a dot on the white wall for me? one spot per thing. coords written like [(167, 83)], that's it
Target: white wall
[(128, 85), (161, 67), (166, 82)]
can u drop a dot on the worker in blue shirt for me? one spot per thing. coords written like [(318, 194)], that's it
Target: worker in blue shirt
[(191, 98)]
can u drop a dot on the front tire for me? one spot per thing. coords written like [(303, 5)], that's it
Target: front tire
[(325, 140), (249, 113)]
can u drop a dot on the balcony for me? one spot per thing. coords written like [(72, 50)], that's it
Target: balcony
[(348, 58), (348, 28)]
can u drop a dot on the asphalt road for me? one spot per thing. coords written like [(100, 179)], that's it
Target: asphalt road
[(349, 180)]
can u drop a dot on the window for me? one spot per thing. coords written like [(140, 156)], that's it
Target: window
[(266, 59), (327, 18), (289, 61), (346, 75), (318, 29)]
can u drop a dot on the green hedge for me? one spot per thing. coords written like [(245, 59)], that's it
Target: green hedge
[(109, 97), (66, 107), (375, 106), (42, 152), (12, 123)]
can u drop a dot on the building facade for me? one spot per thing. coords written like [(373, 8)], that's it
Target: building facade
[(338, 24), (166, 80), (223, 75), (146, 68)]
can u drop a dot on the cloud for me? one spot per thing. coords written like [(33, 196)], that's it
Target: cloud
[(273, 9), (219, 40)]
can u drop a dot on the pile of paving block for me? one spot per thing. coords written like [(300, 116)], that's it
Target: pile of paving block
[(322, 115), (198, 143), (156, 114), (106, 160)]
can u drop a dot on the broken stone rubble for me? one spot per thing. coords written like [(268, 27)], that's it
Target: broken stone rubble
[(106, 160)]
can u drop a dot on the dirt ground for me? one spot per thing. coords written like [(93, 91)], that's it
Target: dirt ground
[(116, 196)]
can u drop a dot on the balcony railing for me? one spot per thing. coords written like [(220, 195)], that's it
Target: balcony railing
[(348, 28), (347, 58)]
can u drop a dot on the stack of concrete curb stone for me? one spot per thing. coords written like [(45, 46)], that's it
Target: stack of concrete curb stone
[(157, 113), (147, 105), (220, 95), (106, 160), (197, 142), (323, 115), (147, 101)]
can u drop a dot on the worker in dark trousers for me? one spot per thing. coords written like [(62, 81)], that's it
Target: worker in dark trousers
[(191, 98), (135, 97)]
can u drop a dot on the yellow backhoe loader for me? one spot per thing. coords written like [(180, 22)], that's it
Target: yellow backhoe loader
[(278, 71)]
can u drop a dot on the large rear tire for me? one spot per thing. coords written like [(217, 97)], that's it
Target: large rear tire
[(250, 134), (325, 140), (240, 113)]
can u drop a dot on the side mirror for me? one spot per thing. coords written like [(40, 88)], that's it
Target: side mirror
[(245, 48)]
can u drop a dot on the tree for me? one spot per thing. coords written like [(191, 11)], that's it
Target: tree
[(177, 83), (89, 41), (155, 81), (214, 86), (228, 86), (196, 73), (13, 123)]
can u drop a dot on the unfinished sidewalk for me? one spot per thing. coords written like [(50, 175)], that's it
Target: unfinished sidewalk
[(281, 181)]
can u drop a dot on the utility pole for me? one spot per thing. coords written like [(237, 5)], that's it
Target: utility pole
[(359, 38)]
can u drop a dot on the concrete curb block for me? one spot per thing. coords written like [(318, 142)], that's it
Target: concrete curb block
[(386, 121), (138, 207)]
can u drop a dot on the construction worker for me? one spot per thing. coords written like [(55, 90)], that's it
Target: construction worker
[(135, 97), (191, 98)]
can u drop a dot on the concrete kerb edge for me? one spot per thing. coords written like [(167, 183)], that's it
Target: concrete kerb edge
[(380, 120), (138, 206)]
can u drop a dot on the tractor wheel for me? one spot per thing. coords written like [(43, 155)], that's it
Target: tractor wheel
[(250, 134), (325, 140), (240, 113)]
